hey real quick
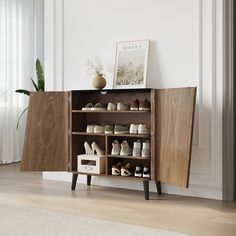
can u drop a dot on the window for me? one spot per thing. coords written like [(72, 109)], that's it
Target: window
[(10, 48)]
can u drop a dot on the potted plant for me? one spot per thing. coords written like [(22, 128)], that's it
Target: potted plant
[(96, 68), (38, 87)]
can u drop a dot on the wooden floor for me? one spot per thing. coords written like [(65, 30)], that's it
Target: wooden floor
[(182, 214)]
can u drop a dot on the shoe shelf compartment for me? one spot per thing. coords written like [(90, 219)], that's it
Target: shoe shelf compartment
[(133, 162), (111, 112), (128, 157), (113, 176), (112, 135), (105, 143), (81, 98), (80, 119)]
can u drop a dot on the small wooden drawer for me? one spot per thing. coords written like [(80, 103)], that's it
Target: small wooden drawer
[(91, 164)]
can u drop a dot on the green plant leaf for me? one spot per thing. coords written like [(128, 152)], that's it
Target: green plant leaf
[(39, 70), (22, 113), (35, 85), (41, 85), (24, 91)]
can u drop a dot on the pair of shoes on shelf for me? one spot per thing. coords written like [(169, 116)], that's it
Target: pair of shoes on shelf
[(122, 149), (141, 150), (123, 170), (133, 129), (94, 148), (138, 129), (95, 129), (143, 105), (96, 107), (142, 171), (107, 129), (117, 106), (118, 129)]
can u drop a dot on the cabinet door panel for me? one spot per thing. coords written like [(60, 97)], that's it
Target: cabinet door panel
[(174, 114), (46, 144)]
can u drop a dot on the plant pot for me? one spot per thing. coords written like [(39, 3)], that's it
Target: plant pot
[(99, 82)]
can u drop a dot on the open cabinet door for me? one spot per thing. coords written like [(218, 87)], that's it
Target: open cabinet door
[(46, 146), (174, 114)]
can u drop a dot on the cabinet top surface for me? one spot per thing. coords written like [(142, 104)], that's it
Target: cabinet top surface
[(112, 90), (125, 90)]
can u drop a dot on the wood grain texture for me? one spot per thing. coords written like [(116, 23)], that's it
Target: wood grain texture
[(46, 138), (174, 127), (153, 135)]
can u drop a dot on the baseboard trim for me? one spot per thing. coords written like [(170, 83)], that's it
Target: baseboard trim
[(211, 192)]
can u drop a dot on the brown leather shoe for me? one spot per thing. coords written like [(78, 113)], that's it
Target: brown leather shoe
[(116, 169), (145, 105), (127, 170), (134, 105)]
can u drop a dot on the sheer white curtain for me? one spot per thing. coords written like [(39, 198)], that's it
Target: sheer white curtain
[(20, 45)]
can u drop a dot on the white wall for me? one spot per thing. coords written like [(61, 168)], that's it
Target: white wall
[(186, 50)]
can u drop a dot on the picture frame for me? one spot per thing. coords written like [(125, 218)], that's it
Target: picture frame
[(131, 64)]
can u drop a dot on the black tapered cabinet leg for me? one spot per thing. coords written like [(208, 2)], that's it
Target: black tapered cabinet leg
[(158, 185), (146, 189), (74, 180), (89, 179)]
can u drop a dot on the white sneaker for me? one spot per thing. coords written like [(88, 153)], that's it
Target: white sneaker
[(142, 129), (90, 129), (146, 149), (115, 148), (137, 149), (122, 107), (126, 150), (133, 129), (111, 106)]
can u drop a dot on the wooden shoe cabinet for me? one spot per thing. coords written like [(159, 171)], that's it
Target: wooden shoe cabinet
[(56, 132)]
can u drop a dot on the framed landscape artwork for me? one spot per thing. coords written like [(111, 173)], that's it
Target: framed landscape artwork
[(131, 64)]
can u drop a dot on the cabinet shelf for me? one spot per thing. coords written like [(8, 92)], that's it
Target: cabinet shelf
[(112, 176), (111, 135), (128, 157), (110, 112)]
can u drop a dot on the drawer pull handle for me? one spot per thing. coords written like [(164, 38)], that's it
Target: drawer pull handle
[(88, 167)]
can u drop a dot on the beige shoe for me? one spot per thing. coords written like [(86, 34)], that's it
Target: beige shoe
[(90, 129), (125, 150), (142, 129), (122, 107), (88, 107), (98, 107), (96, 149), (88, 149), (99, 129), (111, 106), (115, 148)]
